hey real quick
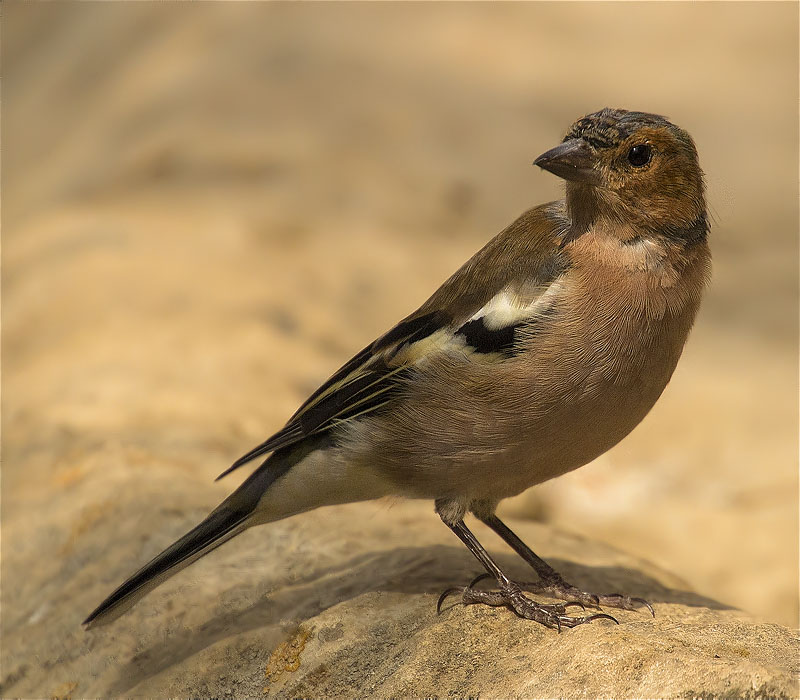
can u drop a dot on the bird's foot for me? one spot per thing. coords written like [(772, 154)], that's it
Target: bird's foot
[(566, 591), (559, 588), (510, 595)]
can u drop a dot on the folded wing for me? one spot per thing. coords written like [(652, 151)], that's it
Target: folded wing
[(484, 319)]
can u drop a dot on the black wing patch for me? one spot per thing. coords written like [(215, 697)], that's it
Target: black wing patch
[(509, 340), (364, 384), (484, 340)]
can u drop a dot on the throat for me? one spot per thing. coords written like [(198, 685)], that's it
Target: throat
[(582, 205), (590, 208)]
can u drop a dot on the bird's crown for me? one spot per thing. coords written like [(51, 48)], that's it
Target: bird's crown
[(610, 127)]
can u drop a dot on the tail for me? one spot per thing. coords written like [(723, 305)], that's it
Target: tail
[(308, 477), (227, 520)]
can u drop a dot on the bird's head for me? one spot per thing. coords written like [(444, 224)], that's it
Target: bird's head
[(630, 166)]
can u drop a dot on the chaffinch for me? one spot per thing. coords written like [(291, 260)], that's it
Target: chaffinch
[(542, 352)]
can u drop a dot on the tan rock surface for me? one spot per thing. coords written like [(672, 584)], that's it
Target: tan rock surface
[(206, 209), (341, 602)]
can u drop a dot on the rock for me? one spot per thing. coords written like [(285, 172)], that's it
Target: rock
[(341, 602)]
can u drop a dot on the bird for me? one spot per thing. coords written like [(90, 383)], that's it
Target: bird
[(539, 354)]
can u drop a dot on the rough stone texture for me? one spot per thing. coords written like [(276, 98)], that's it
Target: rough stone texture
[(207, 208), (341, 602)]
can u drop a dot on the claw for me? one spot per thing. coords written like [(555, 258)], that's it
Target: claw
[(601, 616), (478, 579), (575, 621), (646, 604), (576, 603), (638, 601), (443, 597)]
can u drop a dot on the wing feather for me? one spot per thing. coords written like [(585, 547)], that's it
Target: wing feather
[(347, 391)]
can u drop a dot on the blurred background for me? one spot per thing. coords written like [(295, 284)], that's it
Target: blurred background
[(208, 207)]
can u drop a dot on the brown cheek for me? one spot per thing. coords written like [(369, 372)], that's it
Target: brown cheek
[(616, 179), (672, 197)]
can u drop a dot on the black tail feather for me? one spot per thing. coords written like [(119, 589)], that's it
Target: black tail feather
[(228, 519), (217, 528), (224, 522)]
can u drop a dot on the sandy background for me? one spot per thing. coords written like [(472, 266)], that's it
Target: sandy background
[(207, 208)]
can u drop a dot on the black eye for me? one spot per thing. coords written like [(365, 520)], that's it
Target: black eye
[(640, 155)]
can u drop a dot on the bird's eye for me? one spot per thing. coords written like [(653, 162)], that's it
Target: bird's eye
[(640, 155)]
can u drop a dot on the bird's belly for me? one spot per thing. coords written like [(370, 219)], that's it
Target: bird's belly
[(598, 411), (571, 435), (511, 428)]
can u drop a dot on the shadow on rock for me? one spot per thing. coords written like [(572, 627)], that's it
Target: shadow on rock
[(410, 570)]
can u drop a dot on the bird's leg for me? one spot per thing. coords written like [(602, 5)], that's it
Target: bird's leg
[(551, 583), (510, 594)]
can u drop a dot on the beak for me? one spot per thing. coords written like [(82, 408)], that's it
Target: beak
[(572, 160)]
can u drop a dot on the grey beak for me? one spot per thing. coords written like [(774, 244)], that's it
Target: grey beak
[(572, 160)]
